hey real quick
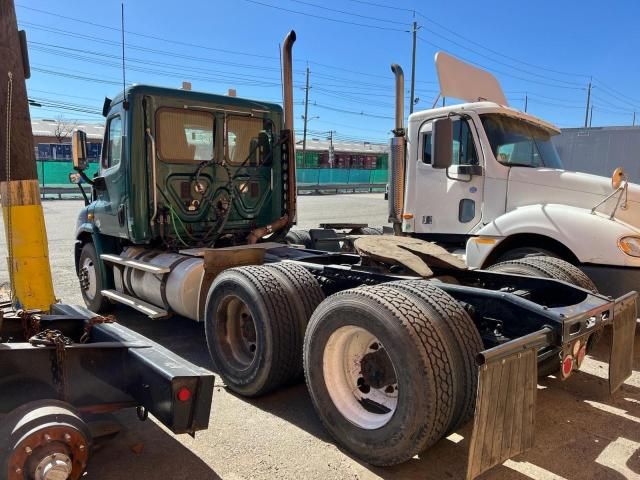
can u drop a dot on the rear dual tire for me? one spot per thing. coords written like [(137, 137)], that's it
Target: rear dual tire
[(255, 319), (382, 371)]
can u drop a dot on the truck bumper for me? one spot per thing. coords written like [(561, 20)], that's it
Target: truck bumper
[(504, 420), (611, 280)]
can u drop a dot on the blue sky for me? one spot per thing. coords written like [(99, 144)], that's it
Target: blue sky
[(546, 50)]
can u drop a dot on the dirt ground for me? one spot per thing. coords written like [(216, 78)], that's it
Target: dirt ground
[(581, 432)]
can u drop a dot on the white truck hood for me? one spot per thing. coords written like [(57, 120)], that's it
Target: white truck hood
[(528, 186)]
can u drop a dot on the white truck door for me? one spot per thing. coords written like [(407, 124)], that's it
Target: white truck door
[(448, 201)]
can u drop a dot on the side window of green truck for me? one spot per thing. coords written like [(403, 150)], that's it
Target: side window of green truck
[(112, 151)]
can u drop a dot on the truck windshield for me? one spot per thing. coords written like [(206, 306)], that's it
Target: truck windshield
[(518, 143)]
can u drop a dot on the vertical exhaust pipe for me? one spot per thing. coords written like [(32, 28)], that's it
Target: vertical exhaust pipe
[(289, 150), (397, 151)]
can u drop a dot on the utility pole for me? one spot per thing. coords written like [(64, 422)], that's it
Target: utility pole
[(590, 116), (526, 102), (331, 155), (413, 67), (306, 117), (28, 255), (633, 124), (586, 115), (444, 101)]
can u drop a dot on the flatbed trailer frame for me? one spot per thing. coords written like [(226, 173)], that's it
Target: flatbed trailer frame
[(72, 362)]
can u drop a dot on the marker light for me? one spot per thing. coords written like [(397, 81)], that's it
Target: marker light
[(183, 394), (630, 246), (576, 348), (567, 366), (581, 354)]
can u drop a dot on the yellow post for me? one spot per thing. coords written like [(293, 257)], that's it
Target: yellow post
[(28, 253)]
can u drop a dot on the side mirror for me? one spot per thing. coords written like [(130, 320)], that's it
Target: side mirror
[(79, 150), (75, 178), (442, 143)]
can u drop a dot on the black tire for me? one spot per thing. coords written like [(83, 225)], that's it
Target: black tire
[(422, 370), (370, 231), (299, 237), (461, 332), (89, 259), (551, 267), (305, 290), (565, 271), (525, 252), (260, 297), (27, 425)]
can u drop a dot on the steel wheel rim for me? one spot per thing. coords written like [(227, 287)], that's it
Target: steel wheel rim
[(236, 332), (348, 373), (89, 269)]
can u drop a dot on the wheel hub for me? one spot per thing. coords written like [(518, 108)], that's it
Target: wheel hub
[(56, 466), (377, 370), (83, 276)]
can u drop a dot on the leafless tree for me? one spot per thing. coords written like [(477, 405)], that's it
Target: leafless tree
[(63, 129)]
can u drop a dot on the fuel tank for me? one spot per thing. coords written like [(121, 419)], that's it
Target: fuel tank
[(178, 290)]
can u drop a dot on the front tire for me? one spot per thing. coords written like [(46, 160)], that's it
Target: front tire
[(558, 269), (90, 276), (379, 373)]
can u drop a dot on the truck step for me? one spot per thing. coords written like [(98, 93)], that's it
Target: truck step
[(127, 262), (150, 310)]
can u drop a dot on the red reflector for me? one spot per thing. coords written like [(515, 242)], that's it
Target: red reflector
[(567, 366), (184, 394), (581, 354)]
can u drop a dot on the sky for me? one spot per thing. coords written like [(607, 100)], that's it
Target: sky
[(548, 51)]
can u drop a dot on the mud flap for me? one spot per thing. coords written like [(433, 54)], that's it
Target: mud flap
[(505, 410), (622, 339)]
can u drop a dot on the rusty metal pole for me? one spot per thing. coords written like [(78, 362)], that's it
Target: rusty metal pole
[(28, 255)]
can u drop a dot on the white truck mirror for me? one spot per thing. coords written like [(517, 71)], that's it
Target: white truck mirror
[(79, 150), (442, 143)]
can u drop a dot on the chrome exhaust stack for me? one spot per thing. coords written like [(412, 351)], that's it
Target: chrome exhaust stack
[(397, 152), (289, 147)]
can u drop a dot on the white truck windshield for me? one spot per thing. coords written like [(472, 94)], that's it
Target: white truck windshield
[(518, 143)]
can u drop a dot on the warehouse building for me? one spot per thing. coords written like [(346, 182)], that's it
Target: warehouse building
[(599, 150)]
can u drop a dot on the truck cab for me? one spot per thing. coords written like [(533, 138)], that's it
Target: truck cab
[(181, 170), (502, 192)]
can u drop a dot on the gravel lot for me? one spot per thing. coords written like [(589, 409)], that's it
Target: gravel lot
[(581, 432)]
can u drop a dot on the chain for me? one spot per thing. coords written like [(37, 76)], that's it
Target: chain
[(94, 321), (12, 291), (56, 339)]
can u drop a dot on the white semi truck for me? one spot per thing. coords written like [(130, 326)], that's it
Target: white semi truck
[(485, 175)]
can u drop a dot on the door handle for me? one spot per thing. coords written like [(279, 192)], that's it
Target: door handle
[(121, 214)]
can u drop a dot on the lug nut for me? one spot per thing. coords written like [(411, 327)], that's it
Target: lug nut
[(47, 437), (81, 447), (67, 437), (28, 450), (18, 470)]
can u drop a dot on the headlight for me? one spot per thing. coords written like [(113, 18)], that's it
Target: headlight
[(630, 246)]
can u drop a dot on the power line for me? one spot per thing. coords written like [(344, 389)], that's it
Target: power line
[(504, 73), (514, 59), (476, 52), (322, 7), (336, 20), (379, 5)]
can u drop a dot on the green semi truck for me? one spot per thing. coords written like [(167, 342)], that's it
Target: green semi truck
[(400, 343)]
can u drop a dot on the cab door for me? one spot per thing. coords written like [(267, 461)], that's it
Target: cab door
[(449, 201), (110, 208)]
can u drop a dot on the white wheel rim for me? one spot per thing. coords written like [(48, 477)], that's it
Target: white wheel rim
[(347, 351), (90, 268)]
